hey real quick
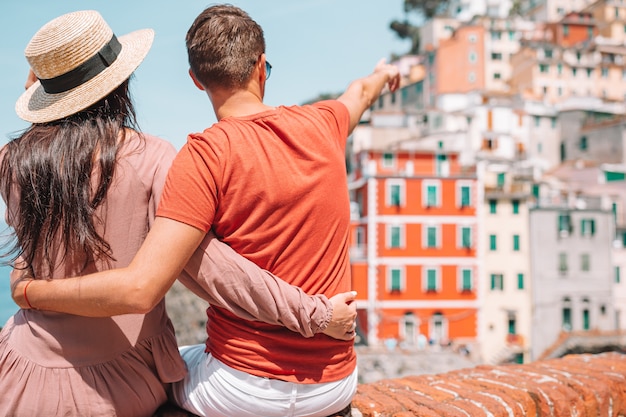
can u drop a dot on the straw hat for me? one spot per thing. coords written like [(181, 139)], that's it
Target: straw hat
[(78, 61)]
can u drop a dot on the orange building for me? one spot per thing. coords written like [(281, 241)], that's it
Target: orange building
[(413, 247), (574, 28), (460, 66)]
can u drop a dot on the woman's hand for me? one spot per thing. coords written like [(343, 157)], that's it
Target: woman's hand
[(342, 325), (20, 275)]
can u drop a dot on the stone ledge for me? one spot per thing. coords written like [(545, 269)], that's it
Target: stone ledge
[(576, 385)]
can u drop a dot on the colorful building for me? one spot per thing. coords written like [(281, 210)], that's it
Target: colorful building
[(413, 247)]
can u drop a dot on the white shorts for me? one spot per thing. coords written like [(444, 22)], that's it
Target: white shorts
[(213, 389)]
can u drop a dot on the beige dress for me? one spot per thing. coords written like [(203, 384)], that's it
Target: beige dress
[(54, 364)]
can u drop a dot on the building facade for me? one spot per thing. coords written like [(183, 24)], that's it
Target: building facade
[(413, 253)]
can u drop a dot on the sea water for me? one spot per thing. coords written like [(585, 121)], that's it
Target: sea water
[(7, 305)]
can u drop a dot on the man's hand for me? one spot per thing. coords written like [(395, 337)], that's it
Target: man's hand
[(391, 72), (342, 325)]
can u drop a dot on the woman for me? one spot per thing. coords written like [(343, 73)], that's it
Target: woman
[(81, 187)]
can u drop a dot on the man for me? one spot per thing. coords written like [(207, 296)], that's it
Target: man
[(271, 183)]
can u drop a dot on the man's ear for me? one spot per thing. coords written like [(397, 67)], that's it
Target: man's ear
[(195, 80)]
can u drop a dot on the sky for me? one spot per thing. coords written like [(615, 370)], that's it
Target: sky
[(314, 46)]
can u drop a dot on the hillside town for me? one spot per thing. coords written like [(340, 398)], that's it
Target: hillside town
[(489, 193)]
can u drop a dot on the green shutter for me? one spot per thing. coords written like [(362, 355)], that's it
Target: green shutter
[(395, 195), (432, 280), (395, 237), (395, 280), (465, 196), (466, 237), (614, 176), (432, 237), (467, 279), (431, 196)]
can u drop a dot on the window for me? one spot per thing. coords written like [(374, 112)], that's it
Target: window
[(583, 143), (536, 190), (442, 167), (431, 237), (618, 275), (395, 237), (574, 72), (497, 282), (515, 206), (473, 57), (590, 32), (588, 227), (493, 206), (496, 35), (492, 243), (472, 38), (389, 160), (395, 279), (559, 68), (605, 72), (516, 243), (394, 195), (553, 122), (566, 319), (471, 76), (586, 325), (584, 262), (438, 328), (512, 324), (565, 31), (547, 53), (501, 179), (537, 121), (565, 224), (431, 280), (497, 76), (465, 196), (466, 279), (496, 56), (563, 262), (466, 237), (432, 195), (520, 281), (544, 68), (589, 72)]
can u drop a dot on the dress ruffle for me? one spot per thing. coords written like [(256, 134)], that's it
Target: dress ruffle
[(131, 384)]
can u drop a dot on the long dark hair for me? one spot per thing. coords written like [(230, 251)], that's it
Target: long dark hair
[(60, 173)]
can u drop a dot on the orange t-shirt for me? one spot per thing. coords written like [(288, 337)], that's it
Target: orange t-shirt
[(273, 186)]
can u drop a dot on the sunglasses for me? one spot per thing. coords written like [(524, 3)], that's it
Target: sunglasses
[(268, 70)]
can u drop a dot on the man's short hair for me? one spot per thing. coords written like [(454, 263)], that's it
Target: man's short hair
[(223, 45)]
